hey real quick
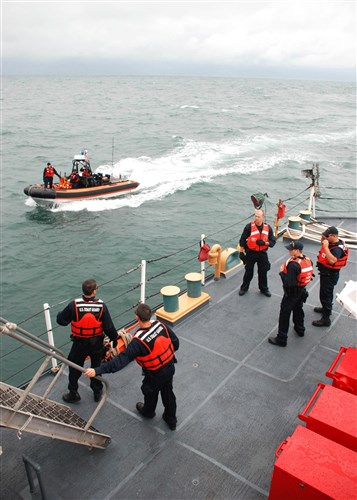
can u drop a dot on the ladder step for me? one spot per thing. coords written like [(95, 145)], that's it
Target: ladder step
[(47, 418)]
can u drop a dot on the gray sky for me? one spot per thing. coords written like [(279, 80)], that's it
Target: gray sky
[(288, 38)]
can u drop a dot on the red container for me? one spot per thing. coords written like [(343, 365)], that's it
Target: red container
[(343, 370), (333, 414), (312, 467)]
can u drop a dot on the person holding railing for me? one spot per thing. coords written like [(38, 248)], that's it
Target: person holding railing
[(90, 320), (48, 174), (153, 346)]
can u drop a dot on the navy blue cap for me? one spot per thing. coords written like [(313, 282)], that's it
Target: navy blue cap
[(330, 230), (295, 245)]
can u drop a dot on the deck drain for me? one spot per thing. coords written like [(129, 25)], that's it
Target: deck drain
[(195, 365), (195, 482)]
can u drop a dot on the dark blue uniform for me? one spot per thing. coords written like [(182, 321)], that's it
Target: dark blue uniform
[(292, 301), (154, 382), (252, 257), (328, 280), (82, 348)]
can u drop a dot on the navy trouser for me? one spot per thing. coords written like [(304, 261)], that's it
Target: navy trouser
[(155, 383), (78, 354), (292, 303), (48, 181), (261, 258), (328, 280)]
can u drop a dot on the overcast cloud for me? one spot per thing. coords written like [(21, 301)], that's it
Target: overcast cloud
[(288, 38)]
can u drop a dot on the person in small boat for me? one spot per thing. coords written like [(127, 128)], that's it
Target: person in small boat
[(256, 238), (332, 257), (86, 178), (86, 172), (296, 273), (153, 346), (48, 174), (75, 180), (90, 320)]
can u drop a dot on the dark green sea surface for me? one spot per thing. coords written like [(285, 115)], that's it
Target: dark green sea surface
[(199, 148)]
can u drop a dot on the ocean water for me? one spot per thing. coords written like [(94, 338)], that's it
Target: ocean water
[(199, 148)]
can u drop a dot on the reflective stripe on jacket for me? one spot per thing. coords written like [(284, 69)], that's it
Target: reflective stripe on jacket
[(341, 262), (158, 342), (306, 270), (256, 235), (88, 318)]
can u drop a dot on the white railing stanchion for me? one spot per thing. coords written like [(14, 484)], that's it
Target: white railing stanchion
[(143, 281), (203, 267), (46, 309)]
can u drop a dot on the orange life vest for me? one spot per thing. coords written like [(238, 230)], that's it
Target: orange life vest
[(88, 319), (256, 235), (341, 262), (305, 275), (158, 342), (49, 172)]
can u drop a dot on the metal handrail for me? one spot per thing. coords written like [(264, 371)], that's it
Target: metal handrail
[(51, 352)]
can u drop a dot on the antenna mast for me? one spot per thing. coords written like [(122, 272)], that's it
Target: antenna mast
[(113, 152), (314, 175)]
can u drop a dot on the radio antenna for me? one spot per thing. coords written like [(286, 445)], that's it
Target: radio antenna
[(113, 152)]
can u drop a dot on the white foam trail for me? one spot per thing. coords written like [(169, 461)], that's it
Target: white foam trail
[(192, 106), (30, 202), (194, 162)]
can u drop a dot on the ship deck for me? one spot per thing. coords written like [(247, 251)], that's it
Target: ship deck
[(238, 398)]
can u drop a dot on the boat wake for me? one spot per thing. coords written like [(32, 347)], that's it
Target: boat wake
[(191, 163)]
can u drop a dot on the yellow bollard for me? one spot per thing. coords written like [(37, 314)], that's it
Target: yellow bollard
[(214, 259)]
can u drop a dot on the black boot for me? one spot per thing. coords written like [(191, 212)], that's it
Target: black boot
[(277, 341), (324, 321), (170, 423), (140, 408), (71, 397), (300, 332), (318, 310)]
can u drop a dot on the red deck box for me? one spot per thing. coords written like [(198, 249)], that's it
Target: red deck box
[(312, 467), (343, 370), (333, 415)]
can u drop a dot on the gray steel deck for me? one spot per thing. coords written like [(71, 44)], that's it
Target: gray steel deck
[(238, 399)]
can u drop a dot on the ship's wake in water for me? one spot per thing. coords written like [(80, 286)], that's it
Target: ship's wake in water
[(191, 163)]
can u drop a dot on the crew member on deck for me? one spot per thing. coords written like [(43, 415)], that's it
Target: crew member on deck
[(152, 346), (90, 320), (256, 238), (48, 174), (332, 257), (295, 274)]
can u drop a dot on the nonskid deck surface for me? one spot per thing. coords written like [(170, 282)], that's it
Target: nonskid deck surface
[(238, 398)]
